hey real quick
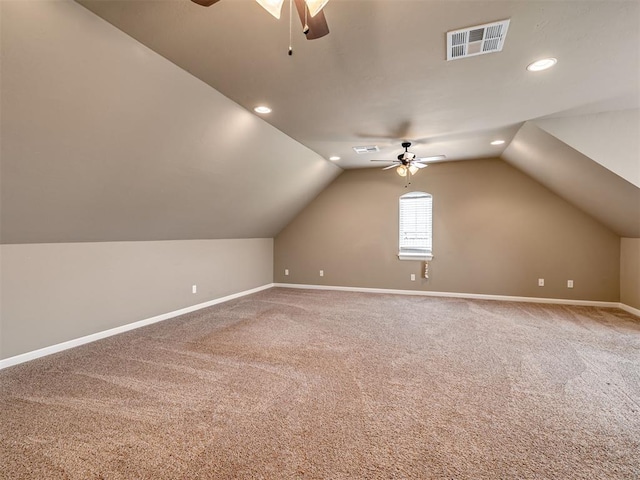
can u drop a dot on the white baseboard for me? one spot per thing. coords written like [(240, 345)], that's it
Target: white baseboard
[(477, 296), (25, 357), (628, 309)]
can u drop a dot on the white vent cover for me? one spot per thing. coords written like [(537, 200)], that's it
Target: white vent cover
[(367, 149), (478, 40)]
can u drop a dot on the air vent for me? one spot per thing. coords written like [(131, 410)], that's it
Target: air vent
[(366, 149), (477, 40)]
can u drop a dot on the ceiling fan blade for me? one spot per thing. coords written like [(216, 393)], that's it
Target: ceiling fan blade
[(419, 165), (390, 166), (317, 25), (205, 3), (430, 159), (394, 161), (398, 132)]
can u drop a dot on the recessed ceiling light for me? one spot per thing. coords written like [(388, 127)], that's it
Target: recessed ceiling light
[(497, 142), (334, 158), (542, 64), (262, 109)]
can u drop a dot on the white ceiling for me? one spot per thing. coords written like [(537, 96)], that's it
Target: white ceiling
[(381, 76)]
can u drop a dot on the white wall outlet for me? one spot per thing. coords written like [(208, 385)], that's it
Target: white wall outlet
[(569, 283), (194, 289), (322, 273), (413, 277), (541, 282), (286, 271)]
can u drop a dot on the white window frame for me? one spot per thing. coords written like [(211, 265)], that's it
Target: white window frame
[(415, 217)]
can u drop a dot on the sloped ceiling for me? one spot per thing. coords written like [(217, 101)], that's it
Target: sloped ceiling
[(104, 140), (610, 138), (381, 75), (609, 198)]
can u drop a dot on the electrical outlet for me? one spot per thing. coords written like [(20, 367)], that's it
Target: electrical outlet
[(194, 289), (286, 271), (413, 277), (322, 273), (569, 283), (541, 282)]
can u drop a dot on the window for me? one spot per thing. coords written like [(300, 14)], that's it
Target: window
[(415, 226)]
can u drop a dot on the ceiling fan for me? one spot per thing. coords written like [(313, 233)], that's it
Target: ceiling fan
[(314, 24), (407, 163)]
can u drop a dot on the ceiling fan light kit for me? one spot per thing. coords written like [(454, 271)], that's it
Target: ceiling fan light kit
[(274, 7), (407, 164), (314, 23)]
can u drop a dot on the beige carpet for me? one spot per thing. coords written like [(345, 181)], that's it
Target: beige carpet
[(334, 385)]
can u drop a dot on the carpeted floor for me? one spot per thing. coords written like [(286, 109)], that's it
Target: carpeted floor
[(289, 384)]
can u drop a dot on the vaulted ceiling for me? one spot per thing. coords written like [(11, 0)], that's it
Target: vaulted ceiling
[(381, 75), (103, 139)]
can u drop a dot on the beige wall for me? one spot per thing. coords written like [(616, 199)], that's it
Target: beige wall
[(52, 293), (105, 140), (496, 231), (630, 272)]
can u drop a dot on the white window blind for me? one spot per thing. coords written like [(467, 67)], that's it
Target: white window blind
[(416, 226)]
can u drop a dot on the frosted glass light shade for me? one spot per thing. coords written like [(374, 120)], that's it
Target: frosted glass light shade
[(413, 169), (315, 6), (274, 7), (402, 171)]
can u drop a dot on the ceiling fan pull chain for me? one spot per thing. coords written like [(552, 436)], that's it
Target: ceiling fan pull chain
[(290, 27)]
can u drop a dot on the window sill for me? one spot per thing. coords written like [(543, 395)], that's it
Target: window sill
[(415, 256)]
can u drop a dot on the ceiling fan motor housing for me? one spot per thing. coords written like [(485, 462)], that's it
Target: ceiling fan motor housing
[(405, 157), (408, 159)]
